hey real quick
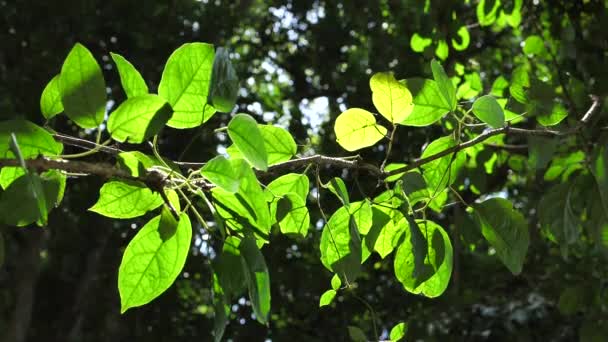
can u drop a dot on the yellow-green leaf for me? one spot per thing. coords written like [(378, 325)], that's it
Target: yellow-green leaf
[(139, 118), (357, 128), (392, 99)]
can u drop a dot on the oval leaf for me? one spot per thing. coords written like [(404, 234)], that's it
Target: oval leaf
[(185, 84), (220, 172), (244, 132), (139, 118), (82, 87), (258, 280), (279, 144), (50, 100), (131, 80), (505, 229), (125, 199), (357, 128), (392, 99), (488, 110), (153, 259), (341, 246), (429, 103), (224, 82), (438, 259), (327, 297)]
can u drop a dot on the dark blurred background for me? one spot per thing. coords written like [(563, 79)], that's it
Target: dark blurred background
[(301, 63)]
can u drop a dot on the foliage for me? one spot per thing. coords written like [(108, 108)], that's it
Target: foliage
[(413, 214)]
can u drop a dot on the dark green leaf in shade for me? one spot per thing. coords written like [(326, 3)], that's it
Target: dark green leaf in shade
[(356, 334), (505, 229), (415, 187), (132, 82), (19, 207), (556, 215), (220, 172), (338, 251), (540, 151), (139, 118), (246, 136), (50, 100), (125, 199), (228, 268), (279, 144), (221, 310), (337, 187), (185, 84), (153, 259), (257, 279), (487, 109), (445, 85), (438, 261), (2, 250), (82, 87), (224, 86), (599, 169), (429, 103), (571, 299)]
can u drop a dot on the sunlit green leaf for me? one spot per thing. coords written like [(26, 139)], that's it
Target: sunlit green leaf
[(534, 45), (220, 172), (291, 182), (398, 331), (438, 259), (327, 298), (442, 50), (392, 99), (50, 100), (136, 162), (296, 219), (185, 84), (131, 80), (125, 199), (463, 33), (487, 11), (357, 128), (386, 231), (246, 136), (82, 87), (224, 85), (153, 259), (258, 280), (505, 229), (489, 111), (339, 246), (441, 172), (336, 282), (337, 187), (429, 103), (419, 43), (555, 115), (139, 118), (445, 85), (279, 144), (415, 187)]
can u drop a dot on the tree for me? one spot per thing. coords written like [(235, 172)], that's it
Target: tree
[(469, 201)]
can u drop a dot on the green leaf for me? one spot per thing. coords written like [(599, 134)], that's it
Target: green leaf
[(571, 299), (131, 80), (247, 208), (429, 103), (136, 162), (442, 172), (327, 298), (153, 259), (185, 84), (398, 331), (335, 282), (258, 280), (246, 136), (471, 87), (296, 219), (291, 182), (556, 215), (33, 140), (534, 45), (357, 128), (220, 172), (18, 205), (228, 268), (125, 199), (224, 84), (139, 118), (392, 99), (484, 16), (221, 310), (556, 114), (505, 229), (2, 249), (465, 38), (356, 334), (386, 230), (438, 259), (339, 246), (50, 100), (337, 187), (82, 87), (419, 43), (392, 167), (442, 51), (415, 188), (541, 151), (599, 169), (445, 85), (487, 109), (362, 215), (279, 144)]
